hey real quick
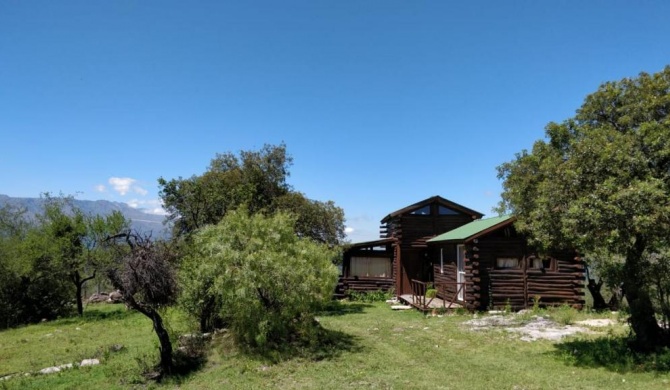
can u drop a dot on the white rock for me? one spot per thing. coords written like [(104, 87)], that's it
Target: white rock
[(89, 362), (401, 307), (597, 322), (51, 370)]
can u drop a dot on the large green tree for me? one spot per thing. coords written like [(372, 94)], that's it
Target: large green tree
[(256, 179), (76, 242), (600, 181), (32, 286)]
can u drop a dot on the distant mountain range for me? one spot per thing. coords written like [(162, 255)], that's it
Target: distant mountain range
[(140, 221)]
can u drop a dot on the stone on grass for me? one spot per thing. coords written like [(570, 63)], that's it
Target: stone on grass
[(89, 362), (115, 297), (98, 297), (51, 370)]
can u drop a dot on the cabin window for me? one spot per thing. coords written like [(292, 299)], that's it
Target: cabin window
[(507, 262), (425, 210), (540, 263), (443, 210), (535, 263), (372, 267)]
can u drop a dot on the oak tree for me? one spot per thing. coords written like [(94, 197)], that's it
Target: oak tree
[(600, 181)]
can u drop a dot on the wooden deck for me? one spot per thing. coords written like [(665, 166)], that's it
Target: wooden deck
[(429, 304)]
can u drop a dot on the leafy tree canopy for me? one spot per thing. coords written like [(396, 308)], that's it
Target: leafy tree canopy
[(75, 242), (600, 181), (255, 179)]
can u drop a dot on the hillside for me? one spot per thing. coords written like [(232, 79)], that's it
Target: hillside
[(140, 220)]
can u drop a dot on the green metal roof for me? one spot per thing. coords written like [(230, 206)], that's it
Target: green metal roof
[(472, 229)]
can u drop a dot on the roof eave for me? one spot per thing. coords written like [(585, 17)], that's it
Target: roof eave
[(475, 214), (472, 237)]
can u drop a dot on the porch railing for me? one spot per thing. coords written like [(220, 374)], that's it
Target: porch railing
[(419, 289)]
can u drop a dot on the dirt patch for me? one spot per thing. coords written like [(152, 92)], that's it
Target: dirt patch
[(529, 329)]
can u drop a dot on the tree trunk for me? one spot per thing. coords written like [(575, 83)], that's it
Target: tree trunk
[(79, 284), (598, 300), (76, 279), (642, 318), (162, 333), (80, 303), (164, 339)]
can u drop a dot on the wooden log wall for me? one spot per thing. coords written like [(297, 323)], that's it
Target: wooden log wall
[(346, 284), (519, 287), (448, 279), (412, 230)]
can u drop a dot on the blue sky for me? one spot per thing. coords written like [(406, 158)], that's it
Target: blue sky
[(380, 103)]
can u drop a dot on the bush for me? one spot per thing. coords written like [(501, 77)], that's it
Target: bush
[(564, 315), (265, 282), (369, 296)]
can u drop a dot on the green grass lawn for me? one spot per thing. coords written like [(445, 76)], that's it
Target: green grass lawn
[(371, 347)]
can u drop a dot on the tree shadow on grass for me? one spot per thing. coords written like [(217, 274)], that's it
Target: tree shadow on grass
[(93, 315), (337, 308), (612, 353), (326, 345)]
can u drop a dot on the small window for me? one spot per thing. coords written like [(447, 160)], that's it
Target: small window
[(535, 263), (543, 263), (507, 262), (425, 210), (443, 210)]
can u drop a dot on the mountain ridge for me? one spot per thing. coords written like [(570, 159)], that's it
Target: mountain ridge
[(141, 221)]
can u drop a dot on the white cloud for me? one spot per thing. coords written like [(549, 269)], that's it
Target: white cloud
[(157, 211), (140, 190), (100, 188), (151, 206), (348, 230), (124, 185)]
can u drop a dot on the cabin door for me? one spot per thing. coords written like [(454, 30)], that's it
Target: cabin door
[(460, 271)]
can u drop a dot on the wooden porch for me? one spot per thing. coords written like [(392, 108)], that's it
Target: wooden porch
[(442, 300)]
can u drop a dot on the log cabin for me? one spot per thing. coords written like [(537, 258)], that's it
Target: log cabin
[(469, 261)]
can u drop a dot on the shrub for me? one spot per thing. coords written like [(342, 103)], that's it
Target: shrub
[(264, 280), (370, 296), (564, 315)]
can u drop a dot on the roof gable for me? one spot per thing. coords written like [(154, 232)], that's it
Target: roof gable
[(434, 199), (474, 229)]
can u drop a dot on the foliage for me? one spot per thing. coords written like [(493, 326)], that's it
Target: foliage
[(658, 275), (601, 182), (146, 277), (369, 296), (610, 270), (31, 284), (77, 242), (266, 281), (255, 180), (564, 314), (320, 221)]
